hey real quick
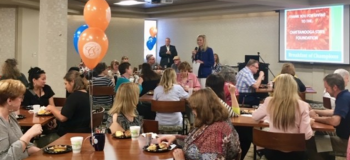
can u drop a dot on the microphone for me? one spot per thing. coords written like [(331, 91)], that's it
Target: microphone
[(196, 49)]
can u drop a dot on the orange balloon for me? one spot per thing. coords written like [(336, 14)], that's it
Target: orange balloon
[(97, 13), (153, 31), (93, 46)]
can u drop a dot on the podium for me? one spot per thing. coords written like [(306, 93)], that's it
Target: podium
[(262, 67)]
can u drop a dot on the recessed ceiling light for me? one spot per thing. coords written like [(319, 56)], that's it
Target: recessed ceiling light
[(129, 3)]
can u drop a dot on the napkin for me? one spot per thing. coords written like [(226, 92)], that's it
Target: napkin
[(246, 115), (154, 135)]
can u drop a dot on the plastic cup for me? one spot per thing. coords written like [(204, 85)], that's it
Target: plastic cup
[(76, 144), (135, 131), (36, 108)]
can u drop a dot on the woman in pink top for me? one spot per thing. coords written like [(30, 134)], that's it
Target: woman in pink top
[(230, 78), (186, 79), (286, 113)]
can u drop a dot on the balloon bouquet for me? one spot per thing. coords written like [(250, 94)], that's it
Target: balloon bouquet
[(152, 40), (91, 43)]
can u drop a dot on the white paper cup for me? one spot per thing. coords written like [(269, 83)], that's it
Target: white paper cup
[(135, 131), (76, 144), (36, 108)]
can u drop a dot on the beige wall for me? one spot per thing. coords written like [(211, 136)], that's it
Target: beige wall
[(27, 38), (234, 36), (125, 36), (7, 33)]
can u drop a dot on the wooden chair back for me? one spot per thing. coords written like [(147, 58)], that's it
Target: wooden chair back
[(168, 106), (103, 91), (150, 126), (279, 141), (97, 118), (59, 101), (327, 102), (302, 96)]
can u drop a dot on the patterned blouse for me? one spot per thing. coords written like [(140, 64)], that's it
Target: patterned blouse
[(124, 122), (218, 141)]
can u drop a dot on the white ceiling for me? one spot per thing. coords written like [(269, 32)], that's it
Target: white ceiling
[(186, 8)]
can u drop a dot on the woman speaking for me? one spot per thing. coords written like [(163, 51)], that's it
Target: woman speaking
[(204, 57)]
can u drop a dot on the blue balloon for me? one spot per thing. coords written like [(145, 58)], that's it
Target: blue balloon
[(151, 42), (76, 36)]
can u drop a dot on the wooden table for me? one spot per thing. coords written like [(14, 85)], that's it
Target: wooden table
[(116, 149), (146, 98), (250, 122), (32, 119), (309, 90)]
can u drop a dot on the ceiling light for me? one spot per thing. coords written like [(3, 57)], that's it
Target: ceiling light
[(129, 3)]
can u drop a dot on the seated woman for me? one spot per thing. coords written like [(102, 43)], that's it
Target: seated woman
[(217, 65), (10, 71), (14, 144), (38, 91), (216, 83), (230, 78), (75, 114), (169, 90), (288, 68), (186, 79), (150, 79), (100, 79), (286, 113), (213, 137), (113, 72), (123, 113)]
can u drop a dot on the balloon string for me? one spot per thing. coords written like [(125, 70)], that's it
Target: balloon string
[(91, 115)]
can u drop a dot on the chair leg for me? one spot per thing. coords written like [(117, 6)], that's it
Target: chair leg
[(254, 156)]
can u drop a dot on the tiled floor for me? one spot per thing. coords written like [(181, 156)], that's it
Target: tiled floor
[(250, 156)]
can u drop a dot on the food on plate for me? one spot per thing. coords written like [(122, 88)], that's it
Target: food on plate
[(127, 133), (119, 134), (163, 145), (152, 147), (58, 148), (43, 111)]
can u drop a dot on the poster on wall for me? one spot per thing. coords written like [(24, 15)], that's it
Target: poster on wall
[(150, 38)]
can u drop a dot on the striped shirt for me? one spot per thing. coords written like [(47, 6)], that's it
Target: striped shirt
[(229, 108), (245, 80), (102, 81)]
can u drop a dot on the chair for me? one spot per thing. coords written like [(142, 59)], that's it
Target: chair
[(103, 91), (170, 107), (327, 102), (59, 101), (302, 96), (97, 117), (278, 141), (150, 126)]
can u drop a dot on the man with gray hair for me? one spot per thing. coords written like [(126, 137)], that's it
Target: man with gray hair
[(151, 60), (345, 74)]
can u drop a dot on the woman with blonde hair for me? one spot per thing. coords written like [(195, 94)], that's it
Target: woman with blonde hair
[(169, 90), (286, 113), (14, 144), (10, 71), (123, 114), (213, 137), (187, 79), (113, 72), (204, 56)]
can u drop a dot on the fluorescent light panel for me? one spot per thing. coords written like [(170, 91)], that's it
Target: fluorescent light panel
[(129, 3)]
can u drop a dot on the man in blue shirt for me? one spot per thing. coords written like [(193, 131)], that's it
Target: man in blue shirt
[(339, 118), (246, 84)]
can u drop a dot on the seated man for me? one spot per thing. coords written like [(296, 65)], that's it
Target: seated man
[(339, 118), (345, 74), (126, 72), (246, 84)]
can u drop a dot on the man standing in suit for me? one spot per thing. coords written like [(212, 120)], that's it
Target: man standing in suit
[(167, 54)]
